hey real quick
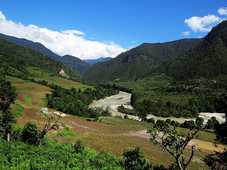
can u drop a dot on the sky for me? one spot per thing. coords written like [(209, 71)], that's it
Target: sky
[(105, 28)]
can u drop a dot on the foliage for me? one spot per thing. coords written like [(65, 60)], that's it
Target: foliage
[(53, 156), (212, 123), (161, 96), (221, 132), (134, 160), (78, 147), (66, 132), (76, 102), (164, 134), (30, 134), (7, 97)]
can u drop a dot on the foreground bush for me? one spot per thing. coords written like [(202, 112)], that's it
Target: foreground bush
[(53, 156)]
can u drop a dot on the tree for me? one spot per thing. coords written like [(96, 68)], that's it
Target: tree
[(52, 121), (30, 133), (199, 122), (212, 123), (168, 138), (190, 124), (134, 160), (7, 97), (221, 132)]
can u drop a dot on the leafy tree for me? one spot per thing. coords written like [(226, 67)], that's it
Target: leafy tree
[(52, 121), (30, 133), (190, 124), (7, 97), (221, 132), (212, 123), (134, 160), (199, 122), (167, 137)]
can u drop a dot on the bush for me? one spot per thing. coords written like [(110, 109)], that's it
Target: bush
[(212, 123), (78, 147), (134, 160), (151, 120), (53, 156), (30, 134), (188, 124), (16, 133)]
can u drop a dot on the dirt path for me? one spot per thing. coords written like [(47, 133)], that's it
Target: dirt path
[(200, 144)]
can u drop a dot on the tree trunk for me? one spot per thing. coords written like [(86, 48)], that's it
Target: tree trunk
[(8, 137), (179, 164)]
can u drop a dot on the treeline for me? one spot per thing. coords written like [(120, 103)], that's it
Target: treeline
[(76, 101), (182, 99)]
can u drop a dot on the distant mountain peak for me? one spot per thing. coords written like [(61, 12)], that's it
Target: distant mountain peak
[(98, 60)]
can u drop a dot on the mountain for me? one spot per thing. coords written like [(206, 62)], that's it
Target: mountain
[(75, 63), (208, 59), (17, 60), (140, 61), (30, 44), (98, 60)]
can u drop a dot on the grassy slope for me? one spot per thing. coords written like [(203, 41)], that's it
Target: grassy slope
[(108, 135), (53, 79)]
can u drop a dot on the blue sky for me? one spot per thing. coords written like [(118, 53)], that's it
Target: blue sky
[(124, 23)]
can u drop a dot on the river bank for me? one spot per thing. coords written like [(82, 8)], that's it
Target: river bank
[(112, 103)]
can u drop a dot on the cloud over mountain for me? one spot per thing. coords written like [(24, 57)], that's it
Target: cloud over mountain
[(64, 42), (222, 11), (202, 24)]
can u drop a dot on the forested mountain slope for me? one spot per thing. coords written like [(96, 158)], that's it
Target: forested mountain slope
[(73, 62), (208, 59), (140, 61), (15, 60)]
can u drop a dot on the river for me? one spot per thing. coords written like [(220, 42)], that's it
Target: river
[(112, 103)]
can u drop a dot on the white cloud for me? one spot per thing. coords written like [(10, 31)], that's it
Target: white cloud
[(202, 24), (2, 16), (186, 33), (75, 32), (222, 11), (70, 42)]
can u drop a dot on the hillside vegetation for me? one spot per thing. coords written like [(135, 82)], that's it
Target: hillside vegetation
[(16, 59), (138, 62)]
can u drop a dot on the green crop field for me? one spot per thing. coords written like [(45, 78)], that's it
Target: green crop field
[(53, 79)]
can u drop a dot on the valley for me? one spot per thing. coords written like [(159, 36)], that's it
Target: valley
[(156, 106), (109, 134), (112, 103)]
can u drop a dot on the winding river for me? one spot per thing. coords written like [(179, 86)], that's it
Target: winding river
[(112, 103)]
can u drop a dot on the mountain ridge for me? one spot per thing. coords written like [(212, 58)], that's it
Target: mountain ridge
[(139, 61)]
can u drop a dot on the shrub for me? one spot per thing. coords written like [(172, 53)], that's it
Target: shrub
[(30, 133), (134, 160)]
